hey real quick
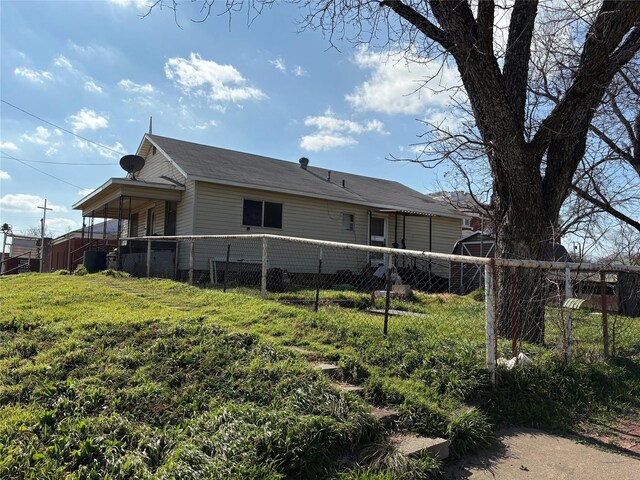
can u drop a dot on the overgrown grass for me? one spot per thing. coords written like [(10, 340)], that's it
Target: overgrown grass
[(173, 380)]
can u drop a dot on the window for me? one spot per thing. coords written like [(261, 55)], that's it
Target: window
[(257, 213), (170, 217), (466, 222), (348, 222), (133, 225), (151, 220)]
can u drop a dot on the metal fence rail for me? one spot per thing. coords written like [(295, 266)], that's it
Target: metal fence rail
[(524, 302)]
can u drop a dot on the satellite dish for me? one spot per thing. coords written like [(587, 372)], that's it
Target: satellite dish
[(132, 164)]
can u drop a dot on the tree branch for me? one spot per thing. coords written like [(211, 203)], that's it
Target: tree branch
[(606, 207), (486, 15), (418, 20), (518, 53)]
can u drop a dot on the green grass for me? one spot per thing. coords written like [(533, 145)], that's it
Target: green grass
[(178, 381)]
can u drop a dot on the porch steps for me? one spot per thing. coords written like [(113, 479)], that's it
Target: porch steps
[(387, 416), (413, 445), (406, 443)]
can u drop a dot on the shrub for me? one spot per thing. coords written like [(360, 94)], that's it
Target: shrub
[(469, 431), (81, 270)]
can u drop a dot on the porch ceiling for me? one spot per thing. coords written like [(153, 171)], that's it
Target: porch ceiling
[(104, 202)]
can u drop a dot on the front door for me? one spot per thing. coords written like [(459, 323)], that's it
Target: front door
[(378, 238)]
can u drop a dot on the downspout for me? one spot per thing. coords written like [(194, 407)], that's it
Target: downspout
[(395, 231), (430, 242)]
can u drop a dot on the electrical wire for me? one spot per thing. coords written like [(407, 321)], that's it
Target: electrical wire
[(44, 173), (9, 157), (62, 128)]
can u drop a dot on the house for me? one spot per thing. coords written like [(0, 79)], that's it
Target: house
[(465, 278), (476, 216), (186, 188), (67, 251)]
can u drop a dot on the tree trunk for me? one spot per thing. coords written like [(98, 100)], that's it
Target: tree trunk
[(523, 231)]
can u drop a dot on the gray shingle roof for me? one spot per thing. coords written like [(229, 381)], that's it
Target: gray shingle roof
[(219, 165)]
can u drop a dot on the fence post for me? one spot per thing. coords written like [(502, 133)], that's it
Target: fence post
[(68, 255), (263, 281), (315, 307), (490, 317), (387, 272), (148, 258), (226, 269), (605, 318), (568, 323), (192, 254)]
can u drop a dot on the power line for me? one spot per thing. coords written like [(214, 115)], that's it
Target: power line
[(61, 128), (9, 157), (43, 172)]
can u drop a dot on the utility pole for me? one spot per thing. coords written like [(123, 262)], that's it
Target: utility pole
[(6, 230), (43, 223)]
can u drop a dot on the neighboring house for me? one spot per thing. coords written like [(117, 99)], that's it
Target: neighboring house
[(474, 218), (465, 278), (191, 189), (67, 251), (24, 255)]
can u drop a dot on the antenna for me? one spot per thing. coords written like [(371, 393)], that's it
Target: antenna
[(132, 164)]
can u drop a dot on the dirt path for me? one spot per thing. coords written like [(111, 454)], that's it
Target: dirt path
[(531, 454)]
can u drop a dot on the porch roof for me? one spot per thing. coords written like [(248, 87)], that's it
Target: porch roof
[(104, 202)]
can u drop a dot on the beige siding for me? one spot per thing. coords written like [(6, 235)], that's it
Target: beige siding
[(219, 212), (157, 166)]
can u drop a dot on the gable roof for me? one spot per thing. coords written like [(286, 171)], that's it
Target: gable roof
[(229, 167)]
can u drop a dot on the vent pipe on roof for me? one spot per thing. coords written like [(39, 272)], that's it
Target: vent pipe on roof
[(304, 161), (343, 183), (150, 125), (328, 175)]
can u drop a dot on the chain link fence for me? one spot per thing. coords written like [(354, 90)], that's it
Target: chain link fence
[(575, 310)]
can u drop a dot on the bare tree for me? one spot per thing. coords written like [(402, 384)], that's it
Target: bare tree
[(533, 148)]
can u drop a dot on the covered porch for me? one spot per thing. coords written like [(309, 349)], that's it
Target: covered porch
[(140, 208)]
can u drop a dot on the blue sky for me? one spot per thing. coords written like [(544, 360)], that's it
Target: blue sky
[(99, 70)]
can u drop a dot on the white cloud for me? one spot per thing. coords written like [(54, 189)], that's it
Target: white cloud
[(134, 87), (35, 76), (85, 191), (63, 62), (298, 71), (103, 152), (328, 122), (87, 119), (218, 83), (4, 175), (205, 125), (93, 87), (59, 226), (51, 151), (41, 136), (326, 141), (9, 146), (399, 86), (332, 132), (132, 3), (26, 203), (279, 64)]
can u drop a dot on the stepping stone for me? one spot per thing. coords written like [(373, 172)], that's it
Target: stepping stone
[(413, 445), (300, 350), (387, 416), (346, 387), (395, 313), (329, 369)]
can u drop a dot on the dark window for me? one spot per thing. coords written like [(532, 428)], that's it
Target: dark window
[(272, 215), (262, 214), (170, 217), (252, 213), (133, 225), (151, 221)]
